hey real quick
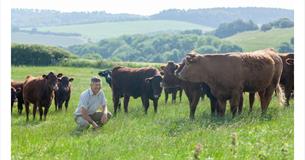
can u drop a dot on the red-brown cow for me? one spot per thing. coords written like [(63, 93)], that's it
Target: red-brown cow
[(228, 75), (19, 95), (39, 91)]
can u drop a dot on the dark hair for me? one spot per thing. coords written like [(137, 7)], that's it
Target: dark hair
[(95, 80)]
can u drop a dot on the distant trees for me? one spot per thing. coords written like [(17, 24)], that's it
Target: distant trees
[(287, 46), (280, 23), (155, 48), (38, 55), (229, 29)]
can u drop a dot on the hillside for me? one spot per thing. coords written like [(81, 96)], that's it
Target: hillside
[(255, 40), (97, 31)]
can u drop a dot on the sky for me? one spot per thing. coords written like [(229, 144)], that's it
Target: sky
[(144, 7)]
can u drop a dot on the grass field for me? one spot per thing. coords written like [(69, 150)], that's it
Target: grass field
[(169, 134), (256, 40), (53, 40), (97, 31)]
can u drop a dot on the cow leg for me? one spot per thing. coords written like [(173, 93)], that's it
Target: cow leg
[(241, 102), (27, 109), (174, 94), (40, 113), (180, 94), (194, 103), (55, 102), (166, 96), (287, 90), (34, 110), (67, 103), (46, 109), (20, 107), (213, 103), (126, 101), (145, 103), (251, 100), (155, 101), (116, 100), (221, 107), (268, 96), (262, 99)]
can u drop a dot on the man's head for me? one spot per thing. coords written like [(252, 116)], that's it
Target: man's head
[(95, 85)]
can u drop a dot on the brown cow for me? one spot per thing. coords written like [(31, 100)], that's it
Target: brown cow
[(63, 93), (19, 89), (193, 91), (228, 75), (171, 83), (40, 92), (136, 82)]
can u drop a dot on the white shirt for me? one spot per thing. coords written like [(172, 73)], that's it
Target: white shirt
[(90, 102)]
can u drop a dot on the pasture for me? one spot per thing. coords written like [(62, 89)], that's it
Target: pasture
[(98, 31), (255, 40), (169, 134)]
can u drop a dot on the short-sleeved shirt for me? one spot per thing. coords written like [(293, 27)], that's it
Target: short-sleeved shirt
[(90, 102)]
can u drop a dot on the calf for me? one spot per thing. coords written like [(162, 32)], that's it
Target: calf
[(19, 95), (62, 95)]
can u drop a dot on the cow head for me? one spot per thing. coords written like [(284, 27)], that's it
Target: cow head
[(64, 82), (155, 83), (51, 80), (107, 75), (190, 68)]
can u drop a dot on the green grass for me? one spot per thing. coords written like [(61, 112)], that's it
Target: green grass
[(97, 31), (166, 135), (54, 40), (255, 40)]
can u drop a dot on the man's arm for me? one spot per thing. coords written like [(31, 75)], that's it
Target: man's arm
[(86, 116)]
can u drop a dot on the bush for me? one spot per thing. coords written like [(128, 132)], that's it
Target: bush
[(285, 47), (229, 29), (38, 55), (266, 27)]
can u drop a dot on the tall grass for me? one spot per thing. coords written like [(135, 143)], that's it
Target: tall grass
[(169, 134)]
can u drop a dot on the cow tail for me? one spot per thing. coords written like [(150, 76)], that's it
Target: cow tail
[(280, 95)]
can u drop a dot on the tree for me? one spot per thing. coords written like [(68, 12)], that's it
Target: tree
[(266, 27), (285, 47)]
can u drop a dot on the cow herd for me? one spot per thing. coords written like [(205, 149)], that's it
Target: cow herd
[(221, 77)]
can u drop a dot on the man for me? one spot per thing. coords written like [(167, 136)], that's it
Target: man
[(90, 101)]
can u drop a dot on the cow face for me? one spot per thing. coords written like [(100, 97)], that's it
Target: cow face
[(64, 82), (170, 67), (191, 68), (156, 85), (105, 73), (51, 80)]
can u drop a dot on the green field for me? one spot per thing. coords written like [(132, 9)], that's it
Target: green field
[(169, 134), (97, 31), (256, 40), (53, 40)]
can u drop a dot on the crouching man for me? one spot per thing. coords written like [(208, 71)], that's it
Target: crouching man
[(90, 101)]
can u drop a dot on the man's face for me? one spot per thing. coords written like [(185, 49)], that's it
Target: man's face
[(95, 87)]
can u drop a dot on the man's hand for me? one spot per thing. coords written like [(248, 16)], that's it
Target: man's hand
[(104, 118), (95, 126)]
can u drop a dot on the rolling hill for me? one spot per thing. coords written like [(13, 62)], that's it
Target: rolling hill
[(255, 40)]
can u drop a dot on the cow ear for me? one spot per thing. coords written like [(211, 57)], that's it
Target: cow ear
[(162, 73), (162, 67), (71, 79), (59, 75), (44, 76), (148, 80), (290, 61)]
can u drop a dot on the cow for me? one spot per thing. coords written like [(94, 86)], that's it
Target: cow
[(136, 82), (287, 78), (13, 97), (19, 89), (193, 91), (40, 92), (171, 84), (107, 75), (286, 81), (63, 94), (229, 75)]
